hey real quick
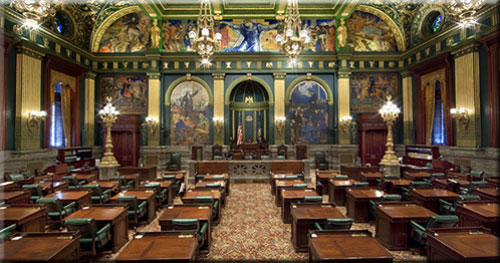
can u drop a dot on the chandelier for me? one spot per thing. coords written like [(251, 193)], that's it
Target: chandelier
[(205, 41), (293, 40), (465, 10), (35, 11)]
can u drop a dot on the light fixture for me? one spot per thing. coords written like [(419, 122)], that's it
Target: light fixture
[(464, 10), (35, 11), (205, 41), (389, 113), (108, 114), (280, 123), (293, 39), (345, 123), (34, 119), (218, 124), (462, 117), (152, 124)]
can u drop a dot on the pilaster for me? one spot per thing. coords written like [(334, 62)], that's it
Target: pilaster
[(344, 106), (279, 106), (154, 106), (89, 114), (408, 129), (219, 107)]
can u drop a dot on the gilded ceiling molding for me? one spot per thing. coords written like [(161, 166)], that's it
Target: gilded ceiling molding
[(398, 33), (96, 37)]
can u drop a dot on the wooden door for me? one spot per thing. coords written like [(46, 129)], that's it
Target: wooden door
[(125, 135), (372, 138)]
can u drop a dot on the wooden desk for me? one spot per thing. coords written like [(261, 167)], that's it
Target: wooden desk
[(429, 197), (114, 185), (487, 193), (160, 246), (115, 215), (493, 181), (395, 185), (303, 218), (336, 190), (210, 177), (357, 202), (15, 197), (8, 186), (200, 212), (283, 184), (275, 177), (291, 196), (417, 176), (141, 195), (450, 184), (81, 198), (49, 187), (146, 173), (164, 185), (354, 172), (85, 177), (41, 247), (392, 219), (27, 219), (462, 244), (188, 198), (323, 179), (346, 246), (371, 178), (480, 213), (135, 178)]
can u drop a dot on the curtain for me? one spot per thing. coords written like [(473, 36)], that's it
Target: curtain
[(430, 92), (66, 112)]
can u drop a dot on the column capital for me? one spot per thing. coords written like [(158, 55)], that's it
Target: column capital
[(153, 75), (219, 76), (406, 74), (474, 47), (344, 75), (29, 52), (89, 75), (279, 75)]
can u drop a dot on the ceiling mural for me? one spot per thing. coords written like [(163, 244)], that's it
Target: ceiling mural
[(128, 34), (367, 32)]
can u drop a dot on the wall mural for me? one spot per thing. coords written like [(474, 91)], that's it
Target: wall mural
[(247, 35), (189, 114), (369, 90), (308, 113), (129, 93), (368, 32), (128, 34)]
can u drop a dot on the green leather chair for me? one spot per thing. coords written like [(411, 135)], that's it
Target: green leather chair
[(428, 165), (71, 168), (299, 176), (464, 169), (199, 177), (449, 208), (175, 183), (335, 224), (405, 193), (342, 177), (247, 157), (161, 194), (437, 175), (417, 231), (218, 177), (300, 186), (473, 184), (73, 182), (291, 177), (56, 210), (321, 162), (124, 184), (35, 191), (175, 162), (15, 177), (6, 232), (476, 175), (136, 210), (210, 201), (281, 154), (217, 154), (265, 157), (360, 184), (91, 238), (192, 224), (313, 199), (98, 195)]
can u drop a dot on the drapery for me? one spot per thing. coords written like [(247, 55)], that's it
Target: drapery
[(430, 101), (428, 85), (66, 112)]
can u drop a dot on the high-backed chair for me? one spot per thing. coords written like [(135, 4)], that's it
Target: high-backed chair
[(124, 184), (335, 224), (91, 238), (56, 211), (73, 182), (473, 184), (360, 184), (15, 177), (476, 175), (217, 152), (192, 224), (98, 195), (35, 191), (313, 199), (161, 194), (6, 232), (282, 152), (417, 231), (136, 210), (175, 162), (321, 162)]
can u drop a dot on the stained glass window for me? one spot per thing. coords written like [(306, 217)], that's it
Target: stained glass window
[(436, 24)]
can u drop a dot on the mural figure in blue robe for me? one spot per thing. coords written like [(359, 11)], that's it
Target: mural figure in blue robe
[(249, 39)]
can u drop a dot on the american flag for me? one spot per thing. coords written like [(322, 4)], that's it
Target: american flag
[(240, 133)]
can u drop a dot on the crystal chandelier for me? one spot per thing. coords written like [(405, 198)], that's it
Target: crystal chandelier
[(205, 41), (293, 40), (465, 10), (35, 11)]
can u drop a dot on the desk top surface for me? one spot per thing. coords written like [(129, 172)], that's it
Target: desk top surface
[(469, 244), (133, 176), (163, 184), (98, 213), (140, 194), (315, 212), (346, 245), (327, 175), (491, 210), (365, 193), (340, 183), (419, 175), (405, 211), (160, 246), (11, 194), (372, 175), (204, 183), (399, 181), (84, 176), (191, 194), (35, 248), (297, 193), (211, 176), (433, 192), (106, 184), (69, 195), (491, 191), (47, 185), (280, 183), (180, 211), (17, 213), (281, 175)]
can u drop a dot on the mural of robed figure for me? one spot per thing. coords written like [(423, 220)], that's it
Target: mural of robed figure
[(249, 35)]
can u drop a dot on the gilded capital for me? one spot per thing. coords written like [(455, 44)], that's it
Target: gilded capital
[(406, 74), (474, 47), (344, 75), (90, 75), (219, 76), (279, 75)]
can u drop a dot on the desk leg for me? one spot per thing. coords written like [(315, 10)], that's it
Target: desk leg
[(120, 233), (151, 209), (299, 235)]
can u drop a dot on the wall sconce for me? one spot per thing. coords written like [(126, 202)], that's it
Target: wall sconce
[(34, 120), (280, 123), (152, 123), (462, 117), (218, 124), (345, 123)]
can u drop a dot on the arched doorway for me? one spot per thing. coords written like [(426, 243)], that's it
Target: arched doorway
[(249, 107)]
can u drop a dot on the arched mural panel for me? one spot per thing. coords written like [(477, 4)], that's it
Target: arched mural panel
[(129, 33), (369, 33), (189, 107), (308, 113)]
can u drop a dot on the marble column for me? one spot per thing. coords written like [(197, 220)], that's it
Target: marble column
[(408, 129), (279, 106), (89, 114), (154, 107), (219, 107), (344, 106)]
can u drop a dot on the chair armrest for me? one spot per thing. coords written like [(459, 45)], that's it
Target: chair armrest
[(417, 227), (82, 183), (216, 203), (142, 205), (107, 192), (317, 226), (71, 206), (203, 228), (104, 229)]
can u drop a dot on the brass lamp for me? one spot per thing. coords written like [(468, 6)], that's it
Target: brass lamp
[(34, 120), (345, 123), (152, 124), (389, 113), (108, 114), (462, 117)]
